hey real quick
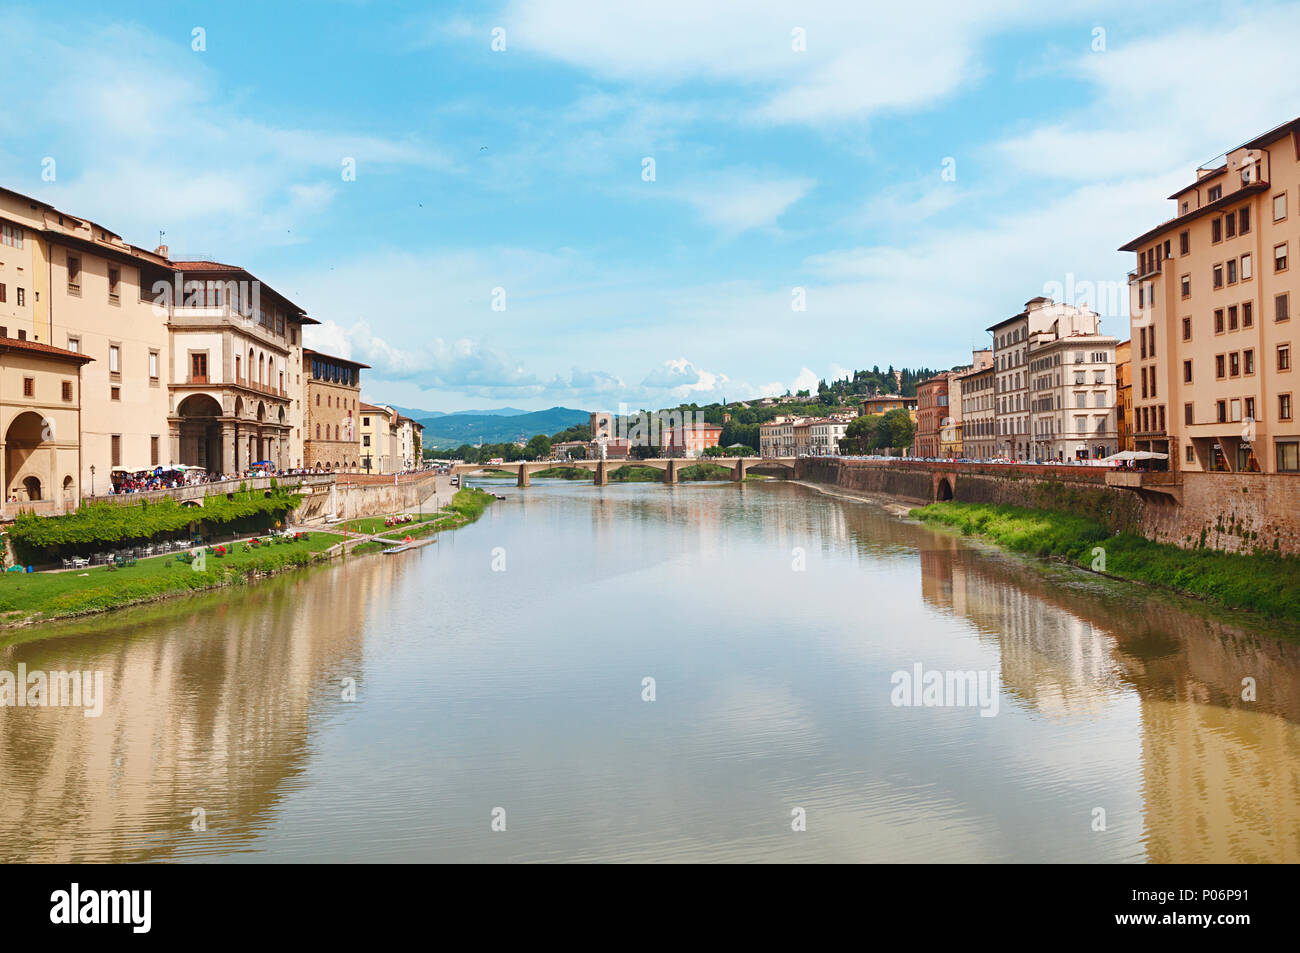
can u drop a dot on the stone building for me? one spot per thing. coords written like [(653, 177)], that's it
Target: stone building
[(332, 435)]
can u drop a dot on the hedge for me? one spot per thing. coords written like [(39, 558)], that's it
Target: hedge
[(98, 526)]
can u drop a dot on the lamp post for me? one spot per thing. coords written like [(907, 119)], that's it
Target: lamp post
[(92, 479)]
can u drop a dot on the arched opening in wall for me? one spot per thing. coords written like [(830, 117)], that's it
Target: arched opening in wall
[(943, 491), (200, 433), (67, 491), (27, 449)]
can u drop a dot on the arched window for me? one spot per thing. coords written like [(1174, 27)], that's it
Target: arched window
[(318, 431)]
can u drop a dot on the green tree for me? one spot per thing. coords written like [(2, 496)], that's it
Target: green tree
[(539, 447)]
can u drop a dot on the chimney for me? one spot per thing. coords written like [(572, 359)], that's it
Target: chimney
[(162, 251)]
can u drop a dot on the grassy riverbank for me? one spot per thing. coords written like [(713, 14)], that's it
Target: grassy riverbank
[(1264, 583), (26, 598)]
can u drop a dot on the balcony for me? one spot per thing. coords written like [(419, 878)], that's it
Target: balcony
[(1162, 487), (208, 317)]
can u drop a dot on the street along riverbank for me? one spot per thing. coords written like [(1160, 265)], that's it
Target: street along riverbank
[(1266, 583), (27, 599)]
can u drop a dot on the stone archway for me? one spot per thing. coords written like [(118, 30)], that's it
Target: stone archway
[(29, 457), (943, 489), (200, 433)]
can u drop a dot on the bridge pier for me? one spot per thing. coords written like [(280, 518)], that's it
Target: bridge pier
[(670, 474), (602, 477), (738, 471), (525, 478)]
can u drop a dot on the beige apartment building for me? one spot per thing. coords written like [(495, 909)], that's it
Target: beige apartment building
[(1213, 302), (1011, 371), (380, 445), (73, 284), (1072, 394), (332, 393), (976, 415), (776, 438)]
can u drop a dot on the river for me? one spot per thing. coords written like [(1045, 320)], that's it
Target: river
[(399, 708)]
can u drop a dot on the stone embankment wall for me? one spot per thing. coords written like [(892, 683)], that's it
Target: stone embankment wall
[(349, 499), (1247, 512)]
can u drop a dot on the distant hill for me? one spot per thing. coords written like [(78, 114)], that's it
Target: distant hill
[(416, 414), (452, 430)]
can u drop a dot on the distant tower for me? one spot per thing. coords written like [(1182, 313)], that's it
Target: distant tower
[(602, 431)]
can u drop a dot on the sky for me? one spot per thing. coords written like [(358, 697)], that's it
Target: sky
[(589, 203)]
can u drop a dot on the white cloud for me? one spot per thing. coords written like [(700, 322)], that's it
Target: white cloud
[(735, 202)]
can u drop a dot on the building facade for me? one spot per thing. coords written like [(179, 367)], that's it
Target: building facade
[(379, 446), (977, 415), (1124, 394), (824, 436), (40, 411), (332, 434), (931, 413), (1072, 395), (1011, 372), (1213, 304)]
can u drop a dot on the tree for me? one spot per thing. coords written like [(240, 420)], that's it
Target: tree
[(861, 434), (539, 447), (898, 427)]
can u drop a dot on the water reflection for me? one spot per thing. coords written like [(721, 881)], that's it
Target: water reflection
[(479, 688)]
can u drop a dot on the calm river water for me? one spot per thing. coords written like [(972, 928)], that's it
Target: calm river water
[(503, 668)]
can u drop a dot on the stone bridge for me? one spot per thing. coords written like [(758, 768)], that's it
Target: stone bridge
[(671, 467)]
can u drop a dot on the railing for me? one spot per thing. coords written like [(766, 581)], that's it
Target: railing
[(198, 491)]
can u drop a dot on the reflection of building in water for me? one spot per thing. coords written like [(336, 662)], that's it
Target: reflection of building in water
[(1221, 776), (218, 719), (1051, 658), (1220, 786)]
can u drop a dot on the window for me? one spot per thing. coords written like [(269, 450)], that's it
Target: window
[(22, 297), (1219, 365), (1279, 207), (1250, 408), (153, 451), (1281, 308), (1216, 231), (1221, 411), (29, 387), (1247, 314), (1187, 414), (1187, 372), (1247, 269), (153, 365), (1218, 320), (1232, 317), (1279, 257), (12, 236), (1216, 193), (1248, 360), (2, 294), (1283, 406), (116, 454), (1187, 329), (114, 359), (1284, 357), (1190, 454), (74, 273), (199, 368), (318, 431), (114, 280), (1218, 276), (1232, 271), (1235, 410), (1186, 282), (317, 398), (115, 392), (1243, 218), (74, 345), (1230, 226), (1234, 364), (1288, 456), (67, 390)]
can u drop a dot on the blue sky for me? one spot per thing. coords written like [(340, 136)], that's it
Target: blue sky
[(776, 168)]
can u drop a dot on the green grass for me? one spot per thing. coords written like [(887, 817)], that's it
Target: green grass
[(1262, 582), (28, 597)]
